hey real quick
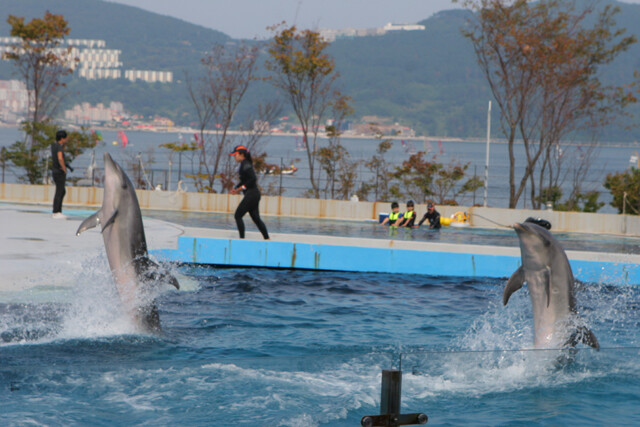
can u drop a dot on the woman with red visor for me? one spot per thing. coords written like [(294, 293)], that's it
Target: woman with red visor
[(249, 187)]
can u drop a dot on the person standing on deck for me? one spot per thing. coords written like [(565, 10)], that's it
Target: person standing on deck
[(249, 187), (59, 171)]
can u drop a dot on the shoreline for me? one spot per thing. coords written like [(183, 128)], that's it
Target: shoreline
[(372, 138)]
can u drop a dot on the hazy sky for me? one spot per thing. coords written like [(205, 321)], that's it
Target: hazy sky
[(249, 18)]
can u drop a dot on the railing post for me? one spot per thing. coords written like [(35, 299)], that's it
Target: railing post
[(390, 397), (391, 392)]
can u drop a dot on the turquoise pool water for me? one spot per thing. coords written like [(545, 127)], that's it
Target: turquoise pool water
[(302, 348), (372, 230)]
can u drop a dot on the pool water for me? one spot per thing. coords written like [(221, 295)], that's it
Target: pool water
[(304, 348), (372, 230)]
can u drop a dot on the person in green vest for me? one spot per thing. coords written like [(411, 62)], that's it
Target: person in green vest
[(409, 216), (394, 217)]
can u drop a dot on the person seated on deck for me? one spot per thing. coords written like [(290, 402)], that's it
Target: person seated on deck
[(409, 216), (394, 217), (433, 216)]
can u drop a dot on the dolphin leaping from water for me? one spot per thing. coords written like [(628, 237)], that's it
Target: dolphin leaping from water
[(126, 247), (546, 270)]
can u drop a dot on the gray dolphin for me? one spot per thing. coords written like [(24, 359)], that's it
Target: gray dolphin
[(126, 247), (546, 270)]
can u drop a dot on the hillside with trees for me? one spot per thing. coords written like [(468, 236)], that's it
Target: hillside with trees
[(428, 80)]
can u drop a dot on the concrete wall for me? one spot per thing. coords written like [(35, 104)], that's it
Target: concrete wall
[(418, 258), (332, 209)]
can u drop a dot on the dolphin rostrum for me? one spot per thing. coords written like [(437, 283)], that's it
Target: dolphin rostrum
[(546, 270), (126, 247)]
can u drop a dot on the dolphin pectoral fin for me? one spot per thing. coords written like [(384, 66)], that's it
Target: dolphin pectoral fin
[(88, 223), (585, 336), (547, 285), (514, 283), (110, 220), (170, 279)]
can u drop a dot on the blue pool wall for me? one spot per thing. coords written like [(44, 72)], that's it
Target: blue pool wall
[(310, 256)]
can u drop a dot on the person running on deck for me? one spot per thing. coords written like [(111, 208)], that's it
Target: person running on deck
[(249, 187)]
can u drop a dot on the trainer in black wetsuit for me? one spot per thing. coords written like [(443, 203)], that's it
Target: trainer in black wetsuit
[(249, 186), (433, 216), (59, 168)]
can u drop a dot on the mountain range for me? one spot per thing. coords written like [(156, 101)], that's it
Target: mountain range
[(428, 80)]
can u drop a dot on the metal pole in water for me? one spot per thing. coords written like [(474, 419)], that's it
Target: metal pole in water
[(390, 397), (486, 165), (281, 168), (391, 392)]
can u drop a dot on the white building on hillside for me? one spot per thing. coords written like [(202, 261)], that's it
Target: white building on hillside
[(92, 60), (86, 114), (14, 100), (149, 76), (403, 27), (331, 35)]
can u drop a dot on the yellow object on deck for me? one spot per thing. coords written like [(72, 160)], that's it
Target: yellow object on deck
[(460, 219)]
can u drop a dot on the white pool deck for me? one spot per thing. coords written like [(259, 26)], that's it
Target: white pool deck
[(37, 250)]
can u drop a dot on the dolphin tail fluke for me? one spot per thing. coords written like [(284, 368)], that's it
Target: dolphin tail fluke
[(514, 283), (88, 223), (585, 336)]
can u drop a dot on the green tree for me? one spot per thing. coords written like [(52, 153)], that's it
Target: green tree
[(334, 158), (543, 62), (422, 178), (229, 71), (29, 155), (381, 170), (42, 63), (40, 60), (576, 202), (625, 189), (305, 73)]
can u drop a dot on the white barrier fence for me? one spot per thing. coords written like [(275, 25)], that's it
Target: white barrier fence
[(322, 208)]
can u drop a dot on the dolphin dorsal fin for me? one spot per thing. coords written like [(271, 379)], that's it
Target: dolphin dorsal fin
[(514, 283), (88, 223), (110, 220)]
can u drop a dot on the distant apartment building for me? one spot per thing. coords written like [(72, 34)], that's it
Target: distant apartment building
[(91, 60), (14, 101), (333, 34), (403, 27), (149, 76), (86, 114)]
